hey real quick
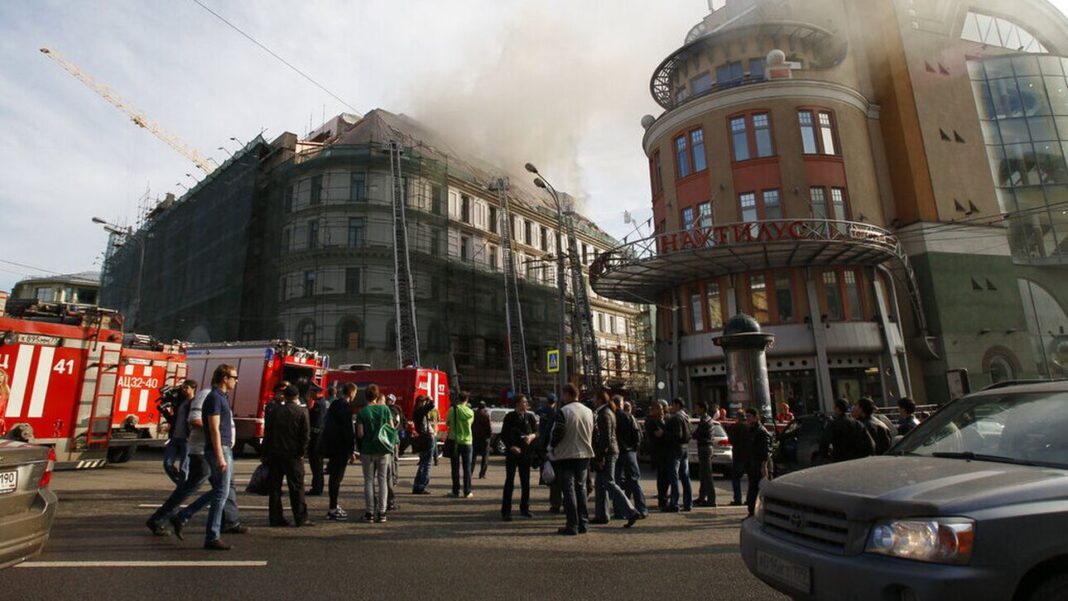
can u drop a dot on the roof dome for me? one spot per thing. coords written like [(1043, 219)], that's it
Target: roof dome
[(741, 324)]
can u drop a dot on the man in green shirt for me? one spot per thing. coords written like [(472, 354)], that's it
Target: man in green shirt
[(376, 432), (458, 421)]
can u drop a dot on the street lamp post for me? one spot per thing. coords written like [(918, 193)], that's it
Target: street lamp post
[(541, 183)]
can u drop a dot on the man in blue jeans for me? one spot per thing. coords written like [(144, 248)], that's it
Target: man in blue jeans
[(677, 434), (571, 448), (424, 442), (628, 473)]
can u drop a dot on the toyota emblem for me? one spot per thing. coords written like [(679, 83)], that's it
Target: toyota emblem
[(797, 521)]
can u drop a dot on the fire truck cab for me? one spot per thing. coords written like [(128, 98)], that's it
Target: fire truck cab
[(261, 365), (405, 384), (74, 386)]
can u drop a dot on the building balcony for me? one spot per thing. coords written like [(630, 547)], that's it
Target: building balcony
[(646, 267)]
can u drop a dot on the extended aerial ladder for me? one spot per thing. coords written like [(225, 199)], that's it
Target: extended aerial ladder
[(517, 340), (407, 332), (139, 118), (582, 316)]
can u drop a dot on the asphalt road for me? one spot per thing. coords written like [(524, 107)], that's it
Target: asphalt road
[(432, 547)]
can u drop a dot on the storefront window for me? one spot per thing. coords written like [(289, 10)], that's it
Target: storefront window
[(715, 306), (853, 294), (831, 296), (696, 312), (758, 297), (784, 298)]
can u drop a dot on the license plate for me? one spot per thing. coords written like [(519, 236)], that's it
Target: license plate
[(9, 481), (793, 574)]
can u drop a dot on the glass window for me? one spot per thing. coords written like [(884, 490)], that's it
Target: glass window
[(696, 313), (818, 198), (827, 134), (465, 208), (748, 205), (784, 297), (715, 306), (729, 74), (762, 134), (1006, 98), (528, 235), (357, 225), (740, 139), (1033, 96), (808, 132), (493, 219), (316, 189), (1042, 129), (1050, 65), (831, 295), (307, 334), (697, 144), (758, 297), (658, 177), (352, 280), (1051, 167), (465, 252), (838, 204), (772, 205), (357, 186), (288, 202), (701, 84), (309, 283), (704, 214), (687, 218), (313, 234), (1013, 131), (492, 257), (756, 68), (1058, 95), (682, 157), (852, 294)]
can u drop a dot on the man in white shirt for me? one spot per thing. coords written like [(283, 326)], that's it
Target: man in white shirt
[(571, 448)]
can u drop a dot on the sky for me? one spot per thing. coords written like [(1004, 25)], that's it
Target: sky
[(560, 83)]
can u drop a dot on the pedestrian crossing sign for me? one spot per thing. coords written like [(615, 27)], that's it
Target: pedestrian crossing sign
[(552, 361)]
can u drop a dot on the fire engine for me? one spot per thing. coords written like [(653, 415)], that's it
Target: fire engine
[(76, 385), (405, 384), (261, 366)]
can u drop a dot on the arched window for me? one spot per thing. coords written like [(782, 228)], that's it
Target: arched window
[(350, 334), (1000, 370), (306, 334), (995, 31)]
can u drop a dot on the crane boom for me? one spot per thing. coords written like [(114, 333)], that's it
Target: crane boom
[(136, 116)]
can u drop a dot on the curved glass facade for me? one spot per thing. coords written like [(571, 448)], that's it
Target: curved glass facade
[(1022, 101)]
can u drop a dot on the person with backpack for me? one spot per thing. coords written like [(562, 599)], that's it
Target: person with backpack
[(677, 435), (458, 421), (706, 497), (376, 434), (605, 454), (628, 473)]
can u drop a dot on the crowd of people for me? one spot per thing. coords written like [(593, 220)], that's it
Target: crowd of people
[(579, 449)]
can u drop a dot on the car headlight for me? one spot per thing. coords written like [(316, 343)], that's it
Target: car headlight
[(758, 508), (936, 540)]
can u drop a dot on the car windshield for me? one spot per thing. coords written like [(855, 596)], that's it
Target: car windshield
[(1014, 428)]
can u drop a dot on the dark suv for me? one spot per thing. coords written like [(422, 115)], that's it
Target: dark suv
[(972, 504)]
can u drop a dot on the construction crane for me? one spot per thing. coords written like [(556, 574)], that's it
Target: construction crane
[(136, 116), (407, 332), (513, 313)]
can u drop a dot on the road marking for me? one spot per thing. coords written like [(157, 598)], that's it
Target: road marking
[(142, 564), (240, 508)]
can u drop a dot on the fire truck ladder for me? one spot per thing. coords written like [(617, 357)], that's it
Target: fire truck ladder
[(107, 370), (582, 328), (513, 314), (407, 332)]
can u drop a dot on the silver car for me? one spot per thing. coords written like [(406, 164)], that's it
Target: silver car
[(27, 505)]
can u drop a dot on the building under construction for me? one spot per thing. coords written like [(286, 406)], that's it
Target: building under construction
[(303, 239)]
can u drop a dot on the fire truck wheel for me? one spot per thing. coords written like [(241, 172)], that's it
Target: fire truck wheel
[(121, 454)]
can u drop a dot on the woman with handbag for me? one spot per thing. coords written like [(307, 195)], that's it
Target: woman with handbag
[(376, 433), (458, 421)]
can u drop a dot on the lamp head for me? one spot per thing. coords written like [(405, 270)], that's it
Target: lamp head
[(539, 182), (98, 220), (531, 168)]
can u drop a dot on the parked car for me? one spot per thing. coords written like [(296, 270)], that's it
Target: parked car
[(722, 451), (27, 505), (972, 504)]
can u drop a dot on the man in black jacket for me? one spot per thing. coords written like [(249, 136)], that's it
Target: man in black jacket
[(654, 439), (424, 443), (628, 472), (518, 432), (338, 444), (605, 454), (286, 433), (845, 437), (676, 437), (702, 434), (864, 412), (738, 434), (759, 466), (318, 405)]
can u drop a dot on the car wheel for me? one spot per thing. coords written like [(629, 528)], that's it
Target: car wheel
[(498, 446), (1054, 588), (121, 454)]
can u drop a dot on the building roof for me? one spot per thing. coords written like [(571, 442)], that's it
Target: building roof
[(380, 126), (82, 278)]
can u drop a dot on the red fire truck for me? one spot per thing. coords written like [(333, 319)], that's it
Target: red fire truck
[(75, 386), (261, 365), (405, 384)]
